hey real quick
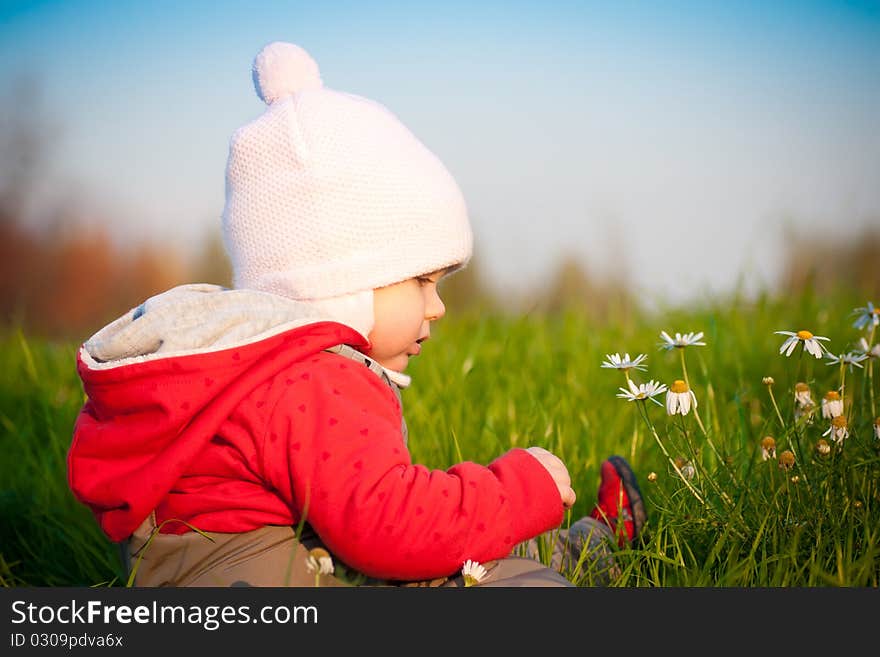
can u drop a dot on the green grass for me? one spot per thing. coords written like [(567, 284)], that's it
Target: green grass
[(49, 539), (485, 384)]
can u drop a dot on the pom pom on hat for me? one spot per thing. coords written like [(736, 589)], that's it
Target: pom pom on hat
[(283, 69)]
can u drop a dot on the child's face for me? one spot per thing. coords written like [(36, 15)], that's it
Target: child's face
[(403, 313)]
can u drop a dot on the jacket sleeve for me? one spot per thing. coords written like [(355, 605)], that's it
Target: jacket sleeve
[(335, 453)]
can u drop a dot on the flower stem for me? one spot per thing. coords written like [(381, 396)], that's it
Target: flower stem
[(795, 429), (694, 456), (644, 413), (775, 406), (687, 437), (696, 412), (871, 372), (871, 387), (797, 375), (635, 440), (684, 368)]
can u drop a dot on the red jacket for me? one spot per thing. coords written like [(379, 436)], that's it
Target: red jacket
[(270, 431)]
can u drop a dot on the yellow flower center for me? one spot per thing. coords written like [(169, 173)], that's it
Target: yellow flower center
[(877, 421), (877, 311), (786, 459), (839, 422), (318, 553), (802, 387), (804, 335), (832, 395), (768, 442), (678, 386)]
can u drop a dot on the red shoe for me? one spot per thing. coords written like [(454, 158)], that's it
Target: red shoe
[(620, 499)]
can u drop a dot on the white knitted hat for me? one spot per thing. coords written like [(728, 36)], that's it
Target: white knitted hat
[(329, 195)]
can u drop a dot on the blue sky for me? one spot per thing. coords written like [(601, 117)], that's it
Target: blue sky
[(671, 142)]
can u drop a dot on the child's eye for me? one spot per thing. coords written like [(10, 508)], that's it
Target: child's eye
[(423, 280)]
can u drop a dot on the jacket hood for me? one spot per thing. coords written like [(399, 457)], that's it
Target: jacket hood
[(161, 379), (191, 319)]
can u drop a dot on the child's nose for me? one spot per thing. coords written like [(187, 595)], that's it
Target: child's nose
[(434, 309)]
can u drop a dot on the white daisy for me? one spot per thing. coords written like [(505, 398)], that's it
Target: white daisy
[(642, 391), (832, 404), (877, 428), (811, 344), (618, 362), (768, 448), (473, 572), (681, 341), (838, 429), (867, 350), (823, 447), (679, 398), (853, 358), (867, 316), (802, 394), (319, 562)]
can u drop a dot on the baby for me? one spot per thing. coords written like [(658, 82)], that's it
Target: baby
[(238, 429)]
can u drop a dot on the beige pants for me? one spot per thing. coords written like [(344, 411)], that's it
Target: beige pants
[(272, 556)]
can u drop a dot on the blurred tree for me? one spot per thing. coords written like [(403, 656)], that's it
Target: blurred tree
[(153, 268), (24, 134), (20, 268), (76, 286), (63, 280), (571, 287), (465, 291), (211, 263), (821, 265), (21, 152)]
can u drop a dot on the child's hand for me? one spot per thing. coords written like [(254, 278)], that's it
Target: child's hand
[(558, 471)]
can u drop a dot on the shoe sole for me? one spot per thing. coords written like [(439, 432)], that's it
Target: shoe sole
[(628, 477)]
